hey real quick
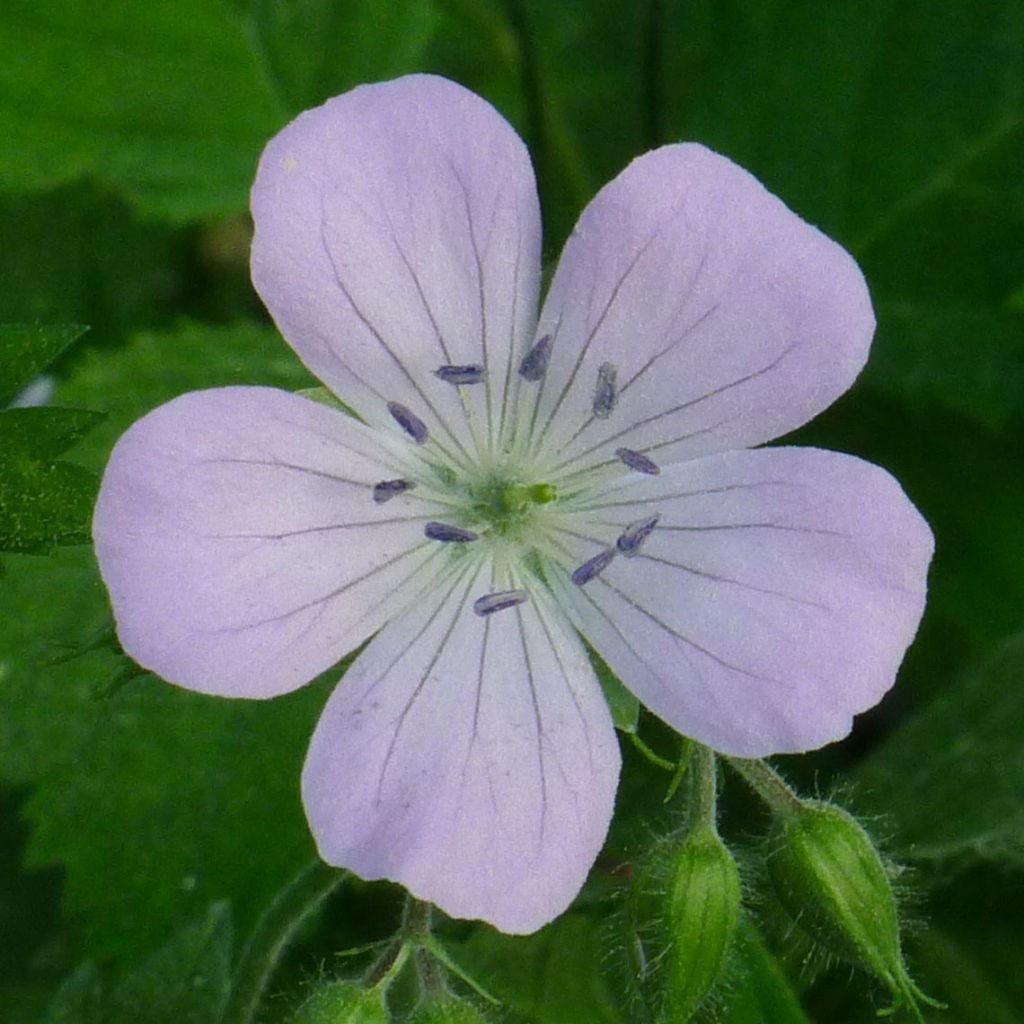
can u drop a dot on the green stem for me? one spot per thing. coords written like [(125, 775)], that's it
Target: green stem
[(769, 785), (384, 971), (441, 954), (273, 934), (685, 753), (704, 794), (650, 755), (416, 919)]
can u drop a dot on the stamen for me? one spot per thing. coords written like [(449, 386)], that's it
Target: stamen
[(592, 567), (635, 534), (449, 534), (388, 489), (409, 422), (605, 395), (638, 461), (535, 362), (471, 373), (491, 603)]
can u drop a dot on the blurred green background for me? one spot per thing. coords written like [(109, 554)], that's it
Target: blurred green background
[(143, 829)]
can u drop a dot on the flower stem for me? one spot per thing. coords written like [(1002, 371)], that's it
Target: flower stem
[(768, 784), (273, 933), (704, 792), (647, 752)]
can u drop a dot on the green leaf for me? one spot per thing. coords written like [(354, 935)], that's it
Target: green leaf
[(135, 779), (81, 255), (625, 708), (899, 129), (78, 1000), (950, 780), (26, 350), (43, 503), (185, 982), (315, 49), (139, 781), (162, 100), (552, 976), (762, 994), (159, 365), (922, 357)]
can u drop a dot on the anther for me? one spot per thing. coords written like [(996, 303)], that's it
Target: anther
[(409, 422), (388, 489), (593, 567), (535, 362), (605, 395), (449, 534), (637, 461), (635, 534), (497, 602), (471, 373)]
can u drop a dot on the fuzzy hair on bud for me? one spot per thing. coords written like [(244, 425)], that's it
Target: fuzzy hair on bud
[(343, 1002), (681, 919), (832, 881)]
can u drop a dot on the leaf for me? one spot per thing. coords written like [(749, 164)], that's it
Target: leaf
[(26, 350), (80, 255), (139, 781), (319, 48), (136, 780), (185, 982), (552, 976), (950, 780), (43, 503), (761, 995), (625, 707), (78, 1000), (899, 129), (920, 357), (162, 100)]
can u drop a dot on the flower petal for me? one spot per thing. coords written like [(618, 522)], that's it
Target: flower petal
[(728, 319), (397, 231), (471, 759), (238, 536), (773, 599)]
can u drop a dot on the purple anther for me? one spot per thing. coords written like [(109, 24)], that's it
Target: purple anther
[(635, 534), (471, 373), (409, 422), (491, 603), (449, 534), (605, 395), (387, 489), (593, 567), (535, 362), (638, 461)]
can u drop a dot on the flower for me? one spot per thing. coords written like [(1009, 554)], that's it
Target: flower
[(513, 483)]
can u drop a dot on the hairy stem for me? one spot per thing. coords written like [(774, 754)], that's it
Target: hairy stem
[(769, 785), (273, 934)]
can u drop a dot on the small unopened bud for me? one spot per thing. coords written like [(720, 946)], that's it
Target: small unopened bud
[(447, 1010), (683, 916), (832, 881), (343, 1002)]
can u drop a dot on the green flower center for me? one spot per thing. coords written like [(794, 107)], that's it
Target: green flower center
[(507, 506)]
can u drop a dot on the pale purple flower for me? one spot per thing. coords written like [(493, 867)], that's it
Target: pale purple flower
[(515, 481)]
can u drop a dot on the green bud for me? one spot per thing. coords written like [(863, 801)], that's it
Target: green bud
[(447, 1010), (682, 917), (832, 881), (343, 1002)]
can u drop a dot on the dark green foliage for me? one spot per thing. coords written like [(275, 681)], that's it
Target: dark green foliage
[(130, 133)]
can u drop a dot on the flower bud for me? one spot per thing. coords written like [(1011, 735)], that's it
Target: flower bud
[(682, 917), (343, 1002), (832, 881), (447, 1010)]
